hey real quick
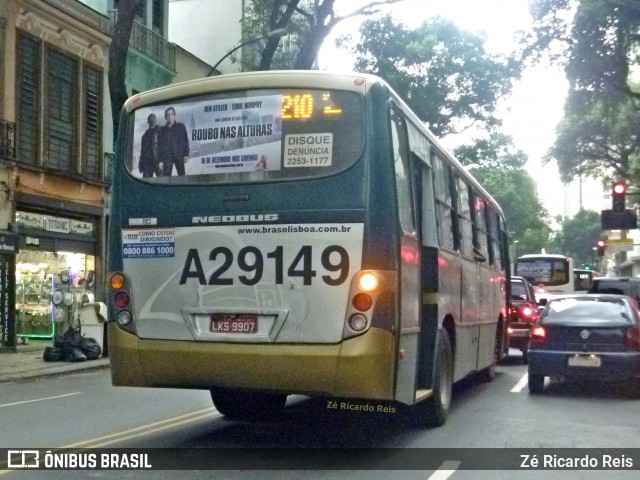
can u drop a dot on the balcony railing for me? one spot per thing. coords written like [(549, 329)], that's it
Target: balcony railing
[(7, 140), (150, 44)]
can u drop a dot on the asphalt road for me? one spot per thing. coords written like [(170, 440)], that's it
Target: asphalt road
[(84, 410)]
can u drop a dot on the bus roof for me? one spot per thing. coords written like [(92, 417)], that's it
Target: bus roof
[(252, 80)]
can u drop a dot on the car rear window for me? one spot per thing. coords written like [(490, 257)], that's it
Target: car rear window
[(518, 289), (591, 311)]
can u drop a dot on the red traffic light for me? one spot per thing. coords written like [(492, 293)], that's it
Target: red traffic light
[(619, 188), (602, 243), (618, 201)]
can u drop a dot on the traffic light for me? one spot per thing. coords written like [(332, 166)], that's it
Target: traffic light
[(601, 246), (618, 201)]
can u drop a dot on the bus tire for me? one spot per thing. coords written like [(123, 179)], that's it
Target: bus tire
[(245, 405), (505, 350), (433, 412), (488, 374), (536, 383)]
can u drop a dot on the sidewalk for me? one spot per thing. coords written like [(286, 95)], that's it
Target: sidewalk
[(27, 364)]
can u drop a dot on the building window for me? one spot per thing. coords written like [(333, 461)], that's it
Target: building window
[(93, 114), (66, 118), (60, 129), (157, 22), (28, 99), (141, 10)]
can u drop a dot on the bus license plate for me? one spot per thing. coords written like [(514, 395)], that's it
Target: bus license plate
[(584, 361), (234, 324)]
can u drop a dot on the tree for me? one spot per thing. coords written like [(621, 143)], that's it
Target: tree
[(500, 168), (598, 42), (579, 235), (597, 139), (443, 73), (308, 23), (118, 58)]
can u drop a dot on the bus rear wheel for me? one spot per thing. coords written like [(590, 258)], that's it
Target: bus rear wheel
[(245, 405), (488, 374), (433, 412)]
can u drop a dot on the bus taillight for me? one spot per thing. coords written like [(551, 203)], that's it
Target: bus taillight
[(368, 282), (121, 300), (358, 322), (123, 318), (362, 302), (116, 281)]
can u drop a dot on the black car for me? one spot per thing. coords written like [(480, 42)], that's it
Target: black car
[(585, 336), (523, 312), (617, 285)]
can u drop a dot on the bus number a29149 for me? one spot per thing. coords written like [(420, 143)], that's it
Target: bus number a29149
[(334, 259)]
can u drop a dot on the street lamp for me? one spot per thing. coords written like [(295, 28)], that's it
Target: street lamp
[(278, 32)]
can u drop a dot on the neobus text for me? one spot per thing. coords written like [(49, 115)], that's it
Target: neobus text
[(269, 217)]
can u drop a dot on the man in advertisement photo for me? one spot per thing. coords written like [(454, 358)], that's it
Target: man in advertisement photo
[(149, 160), (174, 144)]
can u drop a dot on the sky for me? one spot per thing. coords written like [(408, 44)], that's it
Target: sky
[(529, 115)]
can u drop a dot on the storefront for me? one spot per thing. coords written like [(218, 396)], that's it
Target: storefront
[(55, 270)]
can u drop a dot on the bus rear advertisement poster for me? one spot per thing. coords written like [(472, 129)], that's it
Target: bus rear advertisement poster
[(233, 135)]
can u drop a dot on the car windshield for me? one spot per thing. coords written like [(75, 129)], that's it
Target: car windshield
[(574, 310)]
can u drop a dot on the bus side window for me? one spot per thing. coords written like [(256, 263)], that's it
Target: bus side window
[(492, 236), (422, 174), (403, 174), (464, 218), (429, 223), (479, 225), (444, 207), (503, 258)]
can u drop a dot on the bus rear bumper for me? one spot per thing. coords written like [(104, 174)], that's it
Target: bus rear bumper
[(361, 367)]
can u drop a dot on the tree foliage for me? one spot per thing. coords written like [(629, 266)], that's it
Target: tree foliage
[(597, 139), (578, 236), (308, 22), (598, 42), (500, 167), (443, 73)]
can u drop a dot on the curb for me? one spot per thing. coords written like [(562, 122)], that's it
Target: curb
[(55, 370)]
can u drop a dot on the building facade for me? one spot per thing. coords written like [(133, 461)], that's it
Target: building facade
[(53, 171), (56, 144)]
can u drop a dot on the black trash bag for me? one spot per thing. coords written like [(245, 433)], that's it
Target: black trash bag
[(75, 355), (71, 338), (69, 343), (53, 354), (90, 347)]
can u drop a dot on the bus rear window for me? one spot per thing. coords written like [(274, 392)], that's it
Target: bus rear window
[(248, 136), (550, 272)]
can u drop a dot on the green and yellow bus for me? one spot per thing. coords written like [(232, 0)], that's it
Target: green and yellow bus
[(312, 238)]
